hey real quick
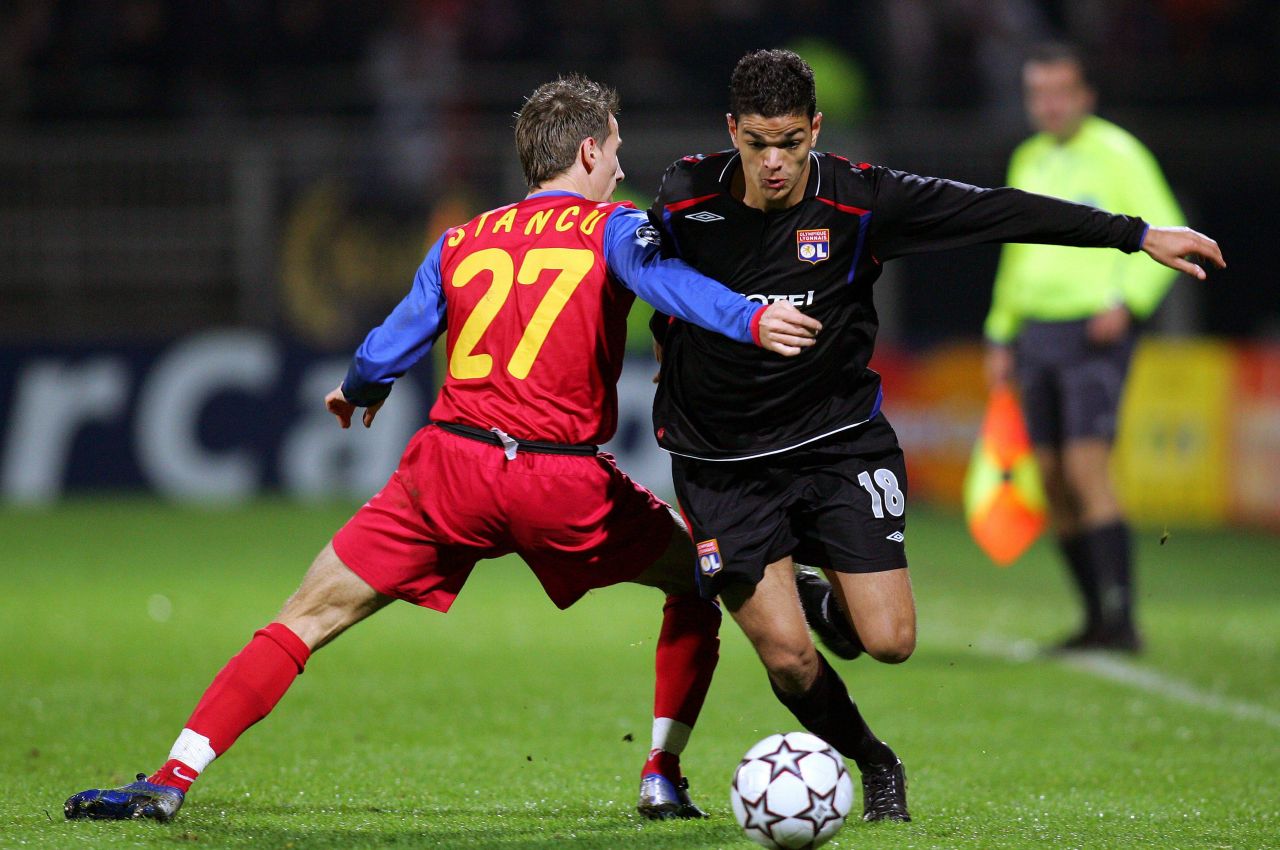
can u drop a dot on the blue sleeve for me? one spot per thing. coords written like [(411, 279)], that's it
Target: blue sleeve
[(632, 251), (402, 339)]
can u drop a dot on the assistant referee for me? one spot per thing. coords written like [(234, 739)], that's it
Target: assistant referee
[(1062, 324)]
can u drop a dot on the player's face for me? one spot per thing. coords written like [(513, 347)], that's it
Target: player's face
[(1057, 97), (775, 157), (607, 173)]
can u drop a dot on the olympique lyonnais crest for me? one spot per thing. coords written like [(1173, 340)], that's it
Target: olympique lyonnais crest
[(813, 246), (709, 557)]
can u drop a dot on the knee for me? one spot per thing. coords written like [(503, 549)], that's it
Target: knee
[(792, 668), (892, 645)]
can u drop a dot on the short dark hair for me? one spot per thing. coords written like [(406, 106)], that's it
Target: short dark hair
[(771, 84), (1060, 52), (555, 119)]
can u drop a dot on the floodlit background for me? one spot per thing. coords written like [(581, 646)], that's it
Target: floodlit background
[(204, 206)]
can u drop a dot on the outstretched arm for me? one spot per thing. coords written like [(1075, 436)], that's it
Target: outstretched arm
[(914, 214), (918, 214), (1179, 248)]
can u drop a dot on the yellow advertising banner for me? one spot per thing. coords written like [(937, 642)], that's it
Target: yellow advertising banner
[(1199, 435), (1256, 415), (1173, 457)]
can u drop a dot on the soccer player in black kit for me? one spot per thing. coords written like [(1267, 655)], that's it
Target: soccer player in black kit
[(777, 461)]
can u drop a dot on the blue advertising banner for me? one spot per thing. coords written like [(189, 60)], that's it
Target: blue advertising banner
[(220, 415), (225, 415)]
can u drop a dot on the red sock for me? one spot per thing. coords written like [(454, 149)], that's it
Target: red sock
[(249, 686), (175, 774), (688, 649), (661, 761)]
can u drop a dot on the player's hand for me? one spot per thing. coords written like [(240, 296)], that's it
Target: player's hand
[(787, 331), (1109, 326), (1180, 247), (336, 403), (998, 365)]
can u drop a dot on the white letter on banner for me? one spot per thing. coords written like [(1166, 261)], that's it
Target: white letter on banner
[(51, 403), (169, 408), (319, 459)]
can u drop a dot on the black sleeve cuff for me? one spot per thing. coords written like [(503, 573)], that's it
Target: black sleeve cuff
[(362, 393), (1134, 234)]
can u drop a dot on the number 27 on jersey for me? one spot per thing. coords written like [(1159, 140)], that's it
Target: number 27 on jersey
[(571, 265)]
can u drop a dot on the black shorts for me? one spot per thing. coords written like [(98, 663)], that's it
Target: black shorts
[(838, 504), (1070, 388)]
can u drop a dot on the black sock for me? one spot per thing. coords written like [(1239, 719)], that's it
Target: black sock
[(826, 710), (1075, 551), (1111, 555)]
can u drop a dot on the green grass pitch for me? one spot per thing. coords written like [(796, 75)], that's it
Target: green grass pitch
[(508, 724)]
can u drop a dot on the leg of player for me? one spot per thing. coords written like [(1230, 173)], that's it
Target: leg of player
[(330, 599), (881, 611), (829, 620), (1065, 520), (1104, 541), (852, 613), (771, 617), (687, 653)]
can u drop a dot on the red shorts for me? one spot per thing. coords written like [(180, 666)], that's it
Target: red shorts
[(578, 521)]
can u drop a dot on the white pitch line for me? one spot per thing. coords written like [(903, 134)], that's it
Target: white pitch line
[(1103, 666)]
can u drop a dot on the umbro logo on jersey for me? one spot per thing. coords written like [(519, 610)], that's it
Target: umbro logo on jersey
[(704, 216), (896, 537)]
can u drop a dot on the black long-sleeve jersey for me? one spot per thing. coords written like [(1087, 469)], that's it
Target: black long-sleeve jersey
[(722, 400)]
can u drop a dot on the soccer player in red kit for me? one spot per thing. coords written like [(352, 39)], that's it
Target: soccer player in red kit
[(535, 295)]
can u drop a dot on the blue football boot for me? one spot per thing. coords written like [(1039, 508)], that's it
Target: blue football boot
[(662, 799), (141, 799)]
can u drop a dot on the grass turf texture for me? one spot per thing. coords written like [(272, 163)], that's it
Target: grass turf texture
[(508, 724)]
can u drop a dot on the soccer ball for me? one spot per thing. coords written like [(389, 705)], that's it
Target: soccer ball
[(791, 791)]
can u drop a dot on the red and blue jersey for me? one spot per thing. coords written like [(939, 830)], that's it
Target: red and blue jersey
[(535, 295)]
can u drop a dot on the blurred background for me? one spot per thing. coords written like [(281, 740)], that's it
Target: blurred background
[(205, 205)]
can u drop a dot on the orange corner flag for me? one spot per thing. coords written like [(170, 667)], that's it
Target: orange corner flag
[(1004, 501)]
